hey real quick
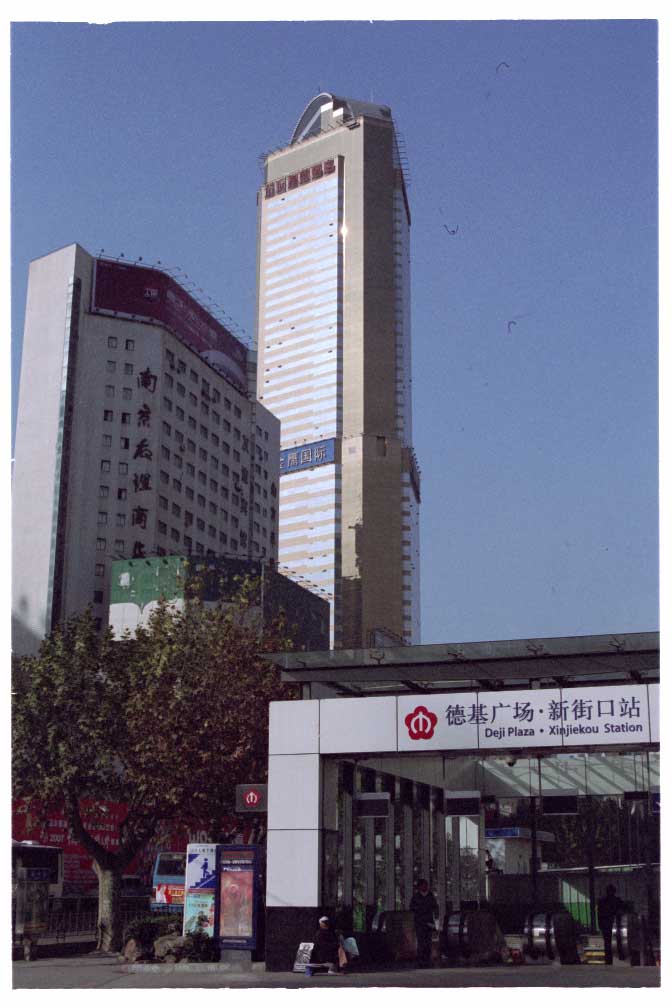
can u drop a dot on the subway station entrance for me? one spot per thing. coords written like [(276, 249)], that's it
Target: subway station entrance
[(517, 776)]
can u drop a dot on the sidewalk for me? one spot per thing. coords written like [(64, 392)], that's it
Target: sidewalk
[(97, 970)]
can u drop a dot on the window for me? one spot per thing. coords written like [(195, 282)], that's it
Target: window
[(214, 416), (168, 379), (103, 491), (102, 517), (123, 468), (108, 415), (223, 538), (215, 396), (105, 465), (193, 375), (236, 455), (175, 534), (101, 545), (191, 445), (212, 531), (111, 366), (163, 528), (214, 486), (119, 546), (212, 507), (234, 544), (122, 493), (205, 409), (164, 477), (112, 342), (130, 344), (127, 393), (199, 547), (190, 469), (202, 454), (109, 391), (180, 389), (227, 403), (179, 413), (100, 570), (205, 388), (181, 367), (204, 432), (128, 368), (192, 422), (165, 452), (202, 478), (121, 520), (188, 543), (160, 551), (167, 404), (200, 524), (176, 510), (170, 357), (177, 485), (236, 411), (192, 399), (179, 437), (125, 418), (163, 503), (189, 493), (236, 434), (201, 500), (188, 519), (166, 428), (215, 440), (124, 443)]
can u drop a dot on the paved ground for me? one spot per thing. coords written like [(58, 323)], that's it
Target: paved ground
[(106, 972)]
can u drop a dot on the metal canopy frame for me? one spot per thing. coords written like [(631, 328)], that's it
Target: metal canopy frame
[(509, 664)]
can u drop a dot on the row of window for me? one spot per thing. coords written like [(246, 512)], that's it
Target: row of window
[(113, 343)]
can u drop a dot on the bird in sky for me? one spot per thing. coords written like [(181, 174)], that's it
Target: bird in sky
[(502, 64), (452, 229)]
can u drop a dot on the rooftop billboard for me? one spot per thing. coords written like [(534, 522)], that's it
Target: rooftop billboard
[(136, 292)]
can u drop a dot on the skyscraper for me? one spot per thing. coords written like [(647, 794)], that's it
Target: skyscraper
[(136, 436), (334, 365)]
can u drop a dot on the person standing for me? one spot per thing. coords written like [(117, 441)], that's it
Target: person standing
[(425, 910), (608, 909)]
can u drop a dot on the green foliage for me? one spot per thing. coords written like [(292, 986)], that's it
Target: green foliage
[(168, 722), (146, 929), (199, 946)]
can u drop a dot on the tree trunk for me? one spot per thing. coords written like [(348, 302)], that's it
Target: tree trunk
[(109, 909)]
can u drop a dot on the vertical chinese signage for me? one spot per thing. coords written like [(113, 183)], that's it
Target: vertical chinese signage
[(238, 897), (200, 888)]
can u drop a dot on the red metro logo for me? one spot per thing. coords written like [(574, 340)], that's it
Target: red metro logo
[(420, 723), (251, 798)]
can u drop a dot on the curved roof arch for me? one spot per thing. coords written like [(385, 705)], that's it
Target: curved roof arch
[(310, 123)]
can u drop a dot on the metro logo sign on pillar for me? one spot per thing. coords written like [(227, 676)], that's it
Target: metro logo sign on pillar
[(424, 722), (251, 798)]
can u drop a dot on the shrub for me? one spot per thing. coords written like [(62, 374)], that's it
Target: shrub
[(199, 946), (146, 929)]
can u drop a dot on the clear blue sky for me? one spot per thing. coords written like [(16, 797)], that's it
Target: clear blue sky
[(536, 140)]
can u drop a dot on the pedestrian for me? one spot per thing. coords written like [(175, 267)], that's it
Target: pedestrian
[(425, 910), (608, 909), (325, 946)]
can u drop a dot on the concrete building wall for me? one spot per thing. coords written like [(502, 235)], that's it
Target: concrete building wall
[(129, 443)]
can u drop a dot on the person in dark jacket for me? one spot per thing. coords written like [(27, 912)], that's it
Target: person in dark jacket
[(325, 945), (425, 910), (608, 909)]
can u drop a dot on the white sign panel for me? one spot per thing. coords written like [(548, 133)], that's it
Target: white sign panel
[(654, 715), (358, 725), (605, 714), (516, 719), (436, 722)]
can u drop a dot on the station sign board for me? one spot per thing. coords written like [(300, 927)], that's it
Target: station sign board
[(491, 720)]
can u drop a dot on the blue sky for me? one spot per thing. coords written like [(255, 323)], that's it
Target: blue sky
[(533, 141)]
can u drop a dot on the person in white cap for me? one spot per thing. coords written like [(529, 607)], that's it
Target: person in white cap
[(325, 946)]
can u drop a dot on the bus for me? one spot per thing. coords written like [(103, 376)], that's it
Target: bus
[(27, 854), (168, 881)]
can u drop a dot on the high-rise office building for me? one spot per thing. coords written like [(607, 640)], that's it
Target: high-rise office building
[(137, 435), (334, 364)]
